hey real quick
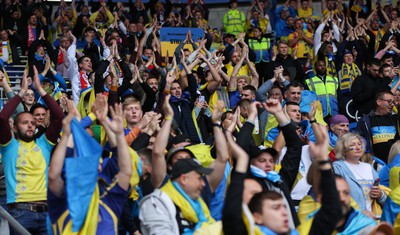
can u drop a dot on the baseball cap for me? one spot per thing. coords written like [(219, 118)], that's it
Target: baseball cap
[(172, 152), (187, 165), (256, 151)]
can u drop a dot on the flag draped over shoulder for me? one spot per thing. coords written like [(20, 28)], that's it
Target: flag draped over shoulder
[(86, 100), (81, 181)]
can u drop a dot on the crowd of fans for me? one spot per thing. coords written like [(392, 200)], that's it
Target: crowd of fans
[(282, 122)]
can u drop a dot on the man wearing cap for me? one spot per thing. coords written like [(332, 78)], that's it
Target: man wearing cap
[(338, 125), (161, 166), (234, 20), (263, 161), (379, 127), (177, 207)]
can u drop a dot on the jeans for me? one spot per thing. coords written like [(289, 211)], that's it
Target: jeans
[(34, 222)]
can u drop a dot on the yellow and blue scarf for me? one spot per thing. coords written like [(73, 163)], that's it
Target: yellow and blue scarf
[(195, 211)]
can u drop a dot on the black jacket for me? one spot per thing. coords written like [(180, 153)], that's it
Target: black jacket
[(290, 163), (364, 89), (293, 66)]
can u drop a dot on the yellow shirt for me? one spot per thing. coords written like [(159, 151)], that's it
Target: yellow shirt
[(303, 47), (25, 166), (244, 70), (305, 13)]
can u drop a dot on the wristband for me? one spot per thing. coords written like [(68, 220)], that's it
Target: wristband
[(323, 162), (168, 118), (216, 124), (313, 121)]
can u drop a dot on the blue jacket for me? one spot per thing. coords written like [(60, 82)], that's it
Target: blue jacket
[(356, 190)]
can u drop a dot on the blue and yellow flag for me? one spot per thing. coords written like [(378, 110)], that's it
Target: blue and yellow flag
[(81, 176)]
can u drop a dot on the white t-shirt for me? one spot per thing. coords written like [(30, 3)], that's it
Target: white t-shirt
[(363, 174)]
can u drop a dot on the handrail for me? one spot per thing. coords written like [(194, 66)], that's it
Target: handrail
[(11, 221)]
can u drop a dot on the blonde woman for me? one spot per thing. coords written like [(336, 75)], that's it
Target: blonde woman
[(361, 177), (393, 160)]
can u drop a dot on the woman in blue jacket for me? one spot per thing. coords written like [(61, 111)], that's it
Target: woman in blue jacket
[(361, 177)]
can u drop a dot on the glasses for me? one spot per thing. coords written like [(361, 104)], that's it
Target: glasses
[(30, 94), (389, 101)]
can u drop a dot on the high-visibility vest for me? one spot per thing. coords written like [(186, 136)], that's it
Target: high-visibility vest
[(261, 49), (326, 93), (234, 21)]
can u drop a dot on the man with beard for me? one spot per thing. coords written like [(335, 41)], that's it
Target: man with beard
[(26, 159), (150, 87), (325, 87)]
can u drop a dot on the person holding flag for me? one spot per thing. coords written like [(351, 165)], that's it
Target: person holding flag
[(77, 204)]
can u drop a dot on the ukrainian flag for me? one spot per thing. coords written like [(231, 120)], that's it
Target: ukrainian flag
[(81, 181)]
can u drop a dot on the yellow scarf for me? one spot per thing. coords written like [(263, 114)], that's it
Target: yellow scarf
[(85, 106), (347, 75), (187, 211)]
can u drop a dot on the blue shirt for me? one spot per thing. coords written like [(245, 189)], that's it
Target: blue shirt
[(110, 208)]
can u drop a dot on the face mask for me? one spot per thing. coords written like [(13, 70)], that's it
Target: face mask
[(48, 90)]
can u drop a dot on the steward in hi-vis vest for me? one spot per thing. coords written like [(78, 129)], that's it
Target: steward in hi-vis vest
[(326, 89)]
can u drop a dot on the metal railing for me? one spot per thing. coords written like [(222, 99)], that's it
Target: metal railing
[(12, 222)]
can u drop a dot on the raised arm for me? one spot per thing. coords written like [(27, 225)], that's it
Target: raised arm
[(56, 183), (232, 86), (73, 70), (9, 92), (330, 213), (232, 220), (262, 92), (159, 165), (8, 110), (317, 128), (255, 77), (57, 114), (124, 158), (222, 148), (291, 160)]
